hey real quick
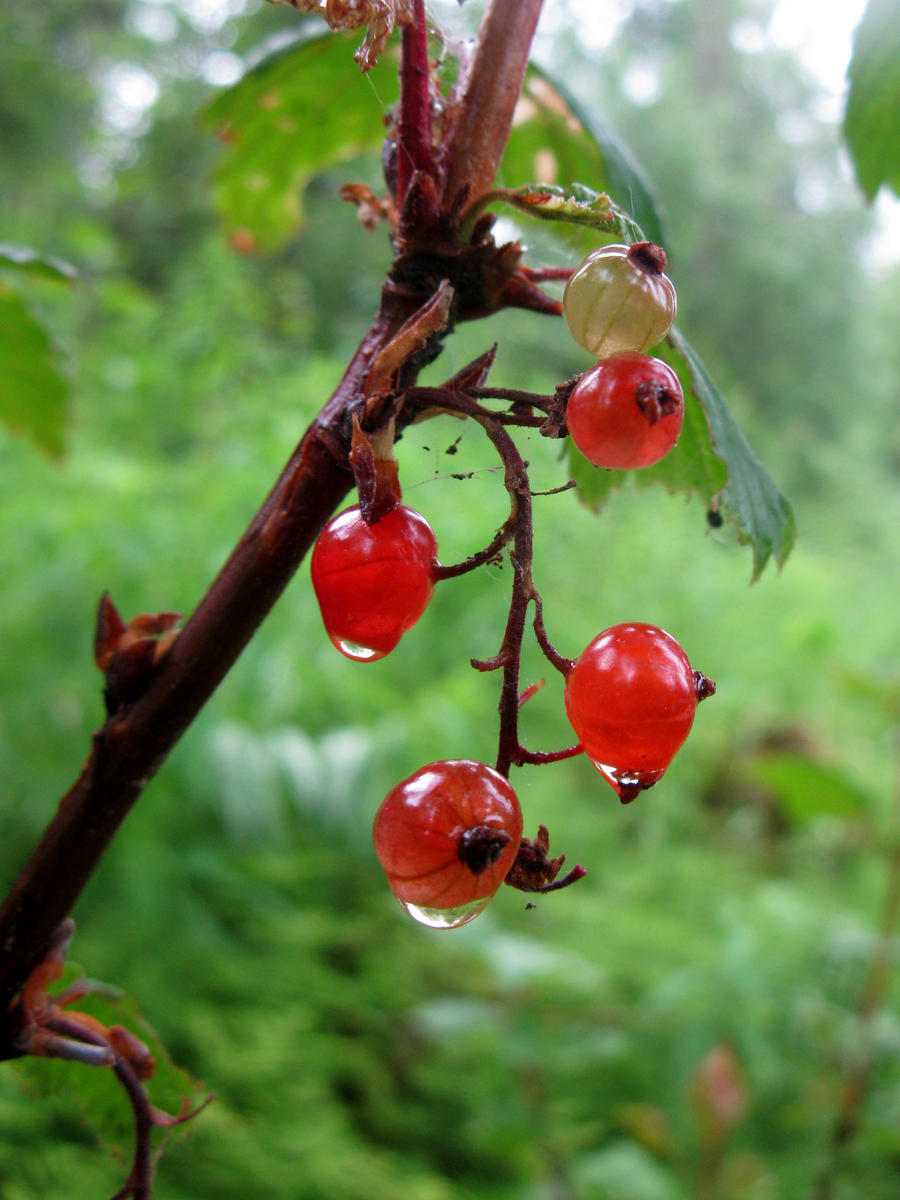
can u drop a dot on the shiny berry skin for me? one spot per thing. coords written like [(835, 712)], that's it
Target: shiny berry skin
[(373, 582), (626, 412), (620, 299), (631, 697), (446, 838)]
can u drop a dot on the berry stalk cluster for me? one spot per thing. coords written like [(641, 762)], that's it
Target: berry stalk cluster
[(451, 833)]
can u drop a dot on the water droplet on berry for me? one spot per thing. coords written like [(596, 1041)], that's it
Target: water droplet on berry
[(356, 652), (446, 918), (627, 784)]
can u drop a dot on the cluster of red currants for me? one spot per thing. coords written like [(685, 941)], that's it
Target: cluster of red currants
[(449, 835)]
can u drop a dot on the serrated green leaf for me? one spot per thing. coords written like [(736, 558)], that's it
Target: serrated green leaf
[(95, 1091), (574, 204), (33, 390), (872, 117), (44, 266), (555, 134), (303, 108), (805, 790), (763, 517)]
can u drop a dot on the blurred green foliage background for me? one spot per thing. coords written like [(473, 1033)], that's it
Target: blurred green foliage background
[(684, 1022)]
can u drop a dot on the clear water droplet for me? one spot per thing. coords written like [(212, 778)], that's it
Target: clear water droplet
[(627, 784), (446, 918), (356, 652)]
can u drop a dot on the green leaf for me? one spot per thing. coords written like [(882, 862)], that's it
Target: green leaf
[(575, 204), (302, 109), (872, 117), (805, 790), (43, 266), (763, 517), (96, 1091), (555, 136), (33, 390)]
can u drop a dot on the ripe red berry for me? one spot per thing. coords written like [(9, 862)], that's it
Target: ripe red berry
[(631, 697), (373, 582), (446, 838), (626, 412)]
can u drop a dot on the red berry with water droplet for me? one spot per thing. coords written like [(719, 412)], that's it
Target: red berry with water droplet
[(373, 582), (620, 299), (626, 412), (446, 837), (631, 697)]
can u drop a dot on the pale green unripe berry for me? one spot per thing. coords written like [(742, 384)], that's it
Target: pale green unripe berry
[(620, 300)]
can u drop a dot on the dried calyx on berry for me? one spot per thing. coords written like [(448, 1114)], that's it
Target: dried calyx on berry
[(620, 299)]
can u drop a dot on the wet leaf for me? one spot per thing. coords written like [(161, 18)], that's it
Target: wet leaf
[(762, 516), (297, 112)]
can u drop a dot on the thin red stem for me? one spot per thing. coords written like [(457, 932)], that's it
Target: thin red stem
[(503, 536)]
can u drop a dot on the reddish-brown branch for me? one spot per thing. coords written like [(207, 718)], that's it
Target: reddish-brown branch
[(135, 740), (138, 735), (490, 91), (414, 148)]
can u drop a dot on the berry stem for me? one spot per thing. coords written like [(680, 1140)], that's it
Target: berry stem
[(514, 396), (538, 758), (563, 665), (491, 551)]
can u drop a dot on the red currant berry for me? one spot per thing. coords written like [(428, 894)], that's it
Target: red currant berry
[(631, 697), (446, 838), (373, 582), (620, 299), (626, 412)]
